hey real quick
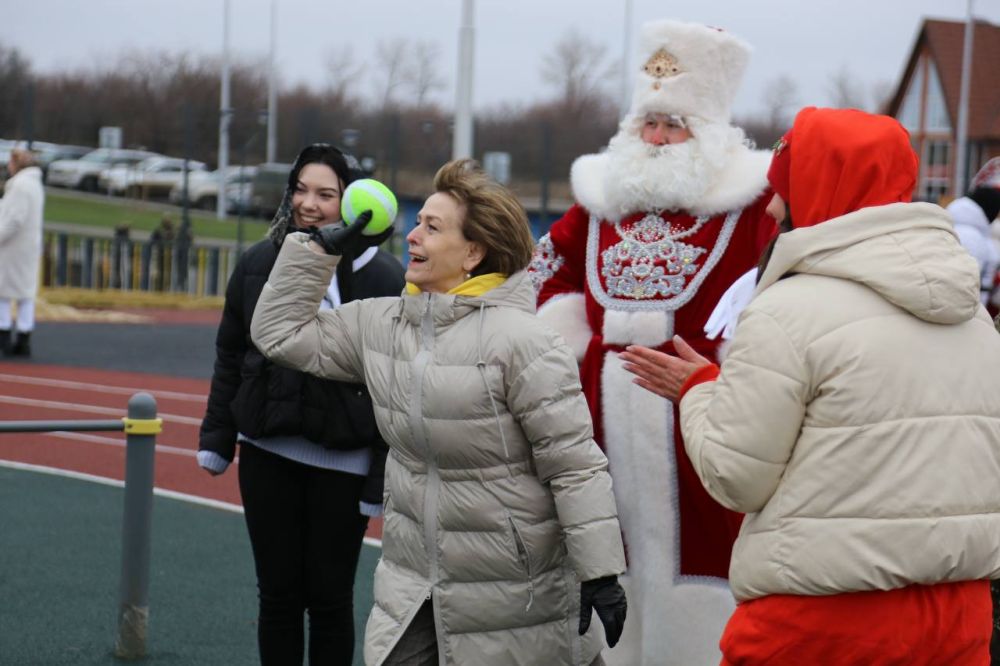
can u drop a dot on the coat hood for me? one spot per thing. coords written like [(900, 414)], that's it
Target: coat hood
[(907, 252), (516, 292)]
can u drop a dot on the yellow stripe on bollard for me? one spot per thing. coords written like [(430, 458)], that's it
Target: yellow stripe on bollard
[(142, 426)]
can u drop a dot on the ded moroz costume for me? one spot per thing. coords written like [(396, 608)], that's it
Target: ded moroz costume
[(656, 237)]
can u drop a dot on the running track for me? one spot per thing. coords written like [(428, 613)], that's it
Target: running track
[(29, 391)]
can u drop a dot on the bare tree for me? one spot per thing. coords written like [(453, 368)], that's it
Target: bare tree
[(390, 64), (15, 77), (578, 68), (845, 90), (343, 71), (781, 99), (422, 76)]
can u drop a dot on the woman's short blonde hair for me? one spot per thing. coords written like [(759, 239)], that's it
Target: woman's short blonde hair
[(494, 217), (22, 158)]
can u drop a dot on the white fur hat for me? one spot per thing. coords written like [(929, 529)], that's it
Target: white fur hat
[(688, 70)]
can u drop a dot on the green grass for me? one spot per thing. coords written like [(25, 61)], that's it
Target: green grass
[(71, 209)]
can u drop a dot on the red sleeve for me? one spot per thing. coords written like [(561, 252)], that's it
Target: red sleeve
[(558, 264), (706, 373)]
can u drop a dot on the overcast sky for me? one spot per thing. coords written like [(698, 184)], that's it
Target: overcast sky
[(807, 40)]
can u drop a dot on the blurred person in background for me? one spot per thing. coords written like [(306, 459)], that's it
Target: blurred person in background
[(21, 215), (974, 214), (311, 458), (855, 419), (501, 536)]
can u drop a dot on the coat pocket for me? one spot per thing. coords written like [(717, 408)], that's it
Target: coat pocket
[(523, 556)]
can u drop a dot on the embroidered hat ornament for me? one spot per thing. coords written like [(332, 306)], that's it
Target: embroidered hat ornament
[(688, 70)]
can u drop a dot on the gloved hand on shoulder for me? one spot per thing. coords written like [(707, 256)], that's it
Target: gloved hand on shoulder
[(348, 239), (607, 597)]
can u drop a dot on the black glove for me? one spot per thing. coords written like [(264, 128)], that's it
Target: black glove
[(338, 240), (607, 597)]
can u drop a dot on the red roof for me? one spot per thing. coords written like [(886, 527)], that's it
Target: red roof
[(943, 41)]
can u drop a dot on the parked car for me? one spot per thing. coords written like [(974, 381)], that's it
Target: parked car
[(84, 173), (203, 188), (45, 153), (53, 152), (268, 188), (152, 178)]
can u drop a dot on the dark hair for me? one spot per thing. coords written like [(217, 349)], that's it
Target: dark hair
[(765, 256), (323, 153), (987, 198), (494, 217)]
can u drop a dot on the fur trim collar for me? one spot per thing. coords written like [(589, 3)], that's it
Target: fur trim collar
[(738, 185)]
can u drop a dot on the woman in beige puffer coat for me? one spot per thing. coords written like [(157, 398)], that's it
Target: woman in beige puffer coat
[(856, 419), (498, 502)]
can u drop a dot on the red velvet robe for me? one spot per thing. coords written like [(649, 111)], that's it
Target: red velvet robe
[(643, 289)]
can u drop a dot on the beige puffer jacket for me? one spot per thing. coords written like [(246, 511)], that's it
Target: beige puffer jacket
[(857, 417), (498, 501)]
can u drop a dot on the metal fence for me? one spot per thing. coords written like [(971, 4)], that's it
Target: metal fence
[(141, 427), (113, 260)]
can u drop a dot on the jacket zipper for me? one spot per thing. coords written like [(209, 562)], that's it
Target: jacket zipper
[(524, 557)]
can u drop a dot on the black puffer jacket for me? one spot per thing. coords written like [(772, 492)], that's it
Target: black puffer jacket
[(249, 394)]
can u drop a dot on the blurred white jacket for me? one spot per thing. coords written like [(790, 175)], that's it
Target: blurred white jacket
[(973, 231)]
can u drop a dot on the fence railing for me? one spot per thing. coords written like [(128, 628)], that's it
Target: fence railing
[(113, 260), (141, 427)]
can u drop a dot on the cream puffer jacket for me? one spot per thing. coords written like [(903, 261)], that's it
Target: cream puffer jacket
[(857, 417), (498, 501)]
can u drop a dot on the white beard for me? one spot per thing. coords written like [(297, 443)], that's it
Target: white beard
[(643, 177)]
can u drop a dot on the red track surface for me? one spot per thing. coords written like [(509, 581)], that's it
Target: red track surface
[(44, 392)]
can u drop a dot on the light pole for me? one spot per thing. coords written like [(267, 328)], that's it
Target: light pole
[(272, 90), (962, 131), (462, 143), (225, 115)]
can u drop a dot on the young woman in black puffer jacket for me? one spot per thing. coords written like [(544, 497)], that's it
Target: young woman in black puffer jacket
[(311, 458)]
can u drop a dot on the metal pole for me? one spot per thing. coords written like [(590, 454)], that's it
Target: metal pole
[(272, 91), (625, 98), (225, 114), (462, 139), (961, 133), (141, 427)]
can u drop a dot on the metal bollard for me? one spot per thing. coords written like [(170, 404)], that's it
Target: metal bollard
[(141, 428)]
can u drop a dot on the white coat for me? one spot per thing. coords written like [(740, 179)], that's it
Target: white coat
[(21, 212)]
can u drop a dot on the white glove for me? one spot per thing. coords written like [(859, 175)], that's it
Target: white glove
[(727, 311)]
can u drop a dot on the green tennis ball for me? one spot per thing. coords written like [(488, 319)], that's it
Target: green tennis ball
[(369, 194)]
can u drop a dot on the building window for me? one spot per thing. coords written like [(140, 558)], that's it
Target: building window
[(937, 119), (909, 111), (934, 181)]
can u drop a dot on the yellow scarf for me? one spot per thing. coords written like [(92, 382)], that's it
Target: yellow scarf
[(476, 286)]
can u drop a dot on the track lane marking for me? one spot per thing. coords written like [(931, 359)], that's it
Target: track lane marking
[(90, 409), (102, 388)]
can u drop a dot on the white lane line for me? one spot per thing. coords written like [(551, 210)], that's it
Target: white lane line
[(90, 409), (101, 388), (161, 492), (120, 443)]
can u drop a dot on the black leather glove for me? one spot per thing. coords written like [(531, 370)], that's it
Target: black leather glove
[(607, 597), (340, 240)]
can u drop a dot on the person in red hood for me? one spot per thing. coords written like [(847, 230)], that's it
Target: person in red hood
[(854, 420)]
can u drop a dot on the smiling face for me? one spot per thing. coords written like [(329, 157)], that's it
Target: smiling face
[(440, 255), (316, 200)]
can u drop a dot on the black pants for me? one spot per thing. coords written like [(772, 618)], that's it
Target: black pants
[(306, 533)]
